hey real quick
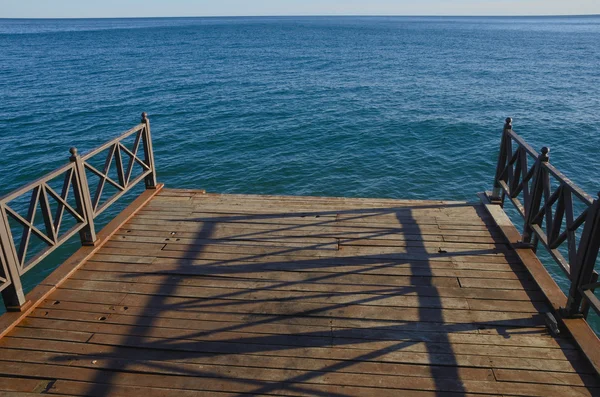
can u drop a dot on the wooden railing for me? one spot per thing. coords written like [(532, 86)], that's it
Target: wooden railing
[(555, 212), (68, 208)]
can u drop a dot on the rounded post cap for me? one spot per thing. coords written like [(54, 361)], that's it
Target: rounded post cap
[(545, 150), (144, 116), (73, 151)]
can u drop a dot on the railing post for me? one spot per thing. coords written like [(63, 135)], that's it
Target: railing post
[(83, 199), (497, 193), (13, 295), (537, 191), (582, 271), (148, 153)]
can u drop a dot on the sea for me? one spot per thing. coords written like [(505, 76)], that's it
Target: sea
[(398, 107)]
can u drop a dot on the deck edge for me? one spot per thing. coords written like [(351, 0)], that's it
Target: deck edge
[(584, 336), (391, 200), (38, 294)]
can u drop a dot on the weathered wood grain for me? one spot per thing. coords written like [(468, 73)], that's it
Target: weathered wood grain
[(206, 294)]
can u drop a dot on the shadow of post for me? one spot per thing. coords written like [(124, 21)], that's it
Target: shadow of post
[(431, 315)]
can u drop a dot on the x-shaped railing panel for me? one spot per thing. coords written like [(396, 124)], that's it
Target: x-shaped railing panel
[(49, 232), (549, 206), (38, 211), (114, 159)]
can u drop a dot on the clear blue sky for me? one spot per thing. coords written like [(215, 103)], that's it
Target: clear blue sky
[(157, 8)]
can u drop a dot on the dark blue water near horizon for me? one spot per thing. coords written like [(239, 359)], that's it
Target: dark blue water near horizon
[(401, 107)]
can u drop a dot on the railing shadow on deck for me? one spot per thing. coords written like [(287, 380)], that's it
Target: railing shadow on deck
[(137, 349)]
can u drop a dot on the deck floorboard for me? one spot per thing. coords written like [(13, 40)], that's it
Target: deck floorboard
[(226, 295)]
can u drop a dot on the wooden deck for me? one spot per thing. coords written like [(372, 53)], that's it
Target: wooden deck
[(204, 294)]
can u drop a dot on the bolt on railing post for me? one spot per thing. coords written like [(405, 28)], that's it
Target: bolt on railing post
[(537, 191), (497, 193), (83, 199), (13, 295), (582, 271), (148, 152)]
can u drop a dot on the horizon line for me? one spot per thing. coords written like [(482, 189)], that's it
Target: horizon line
[(322, 16)]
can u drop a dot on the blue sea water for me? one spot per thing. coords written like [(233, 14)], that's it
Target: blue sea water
[(401, 107)]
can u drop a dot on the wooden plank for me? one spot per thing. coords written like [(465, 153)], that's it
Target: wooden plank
[(257, 342), (433, 249), (437, 252), (346, 311), (310, 242), (496, 283), (329, 278), (290, 254), (391, 217), (312, 226), (216, 295), (294, 383), (313, 208), (303, 222), (239, 232), (423, 261), (150, 315), (165, 273), (235, 199), (133, 256), (360, 201), (345, 265), (72, 335), (320, 201), (320, 275), (303, 217), (109, 298), (216, 285), (540, 377), (161, 349), (61, 319), (306, 221), (160, 242), (18, 394), (22, 386), (72, 388), (221, 296), (218, 230)]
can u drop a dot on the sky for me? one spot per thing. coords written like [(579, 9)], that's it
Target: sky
[(172, 8)]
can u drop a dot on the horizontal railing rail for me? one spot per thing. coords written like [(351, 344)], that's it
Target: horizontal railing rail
[(65, 202), (555, 212)]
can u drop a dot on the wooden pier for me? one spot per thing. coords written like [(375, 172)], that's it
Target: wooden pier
[(189, 293)]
